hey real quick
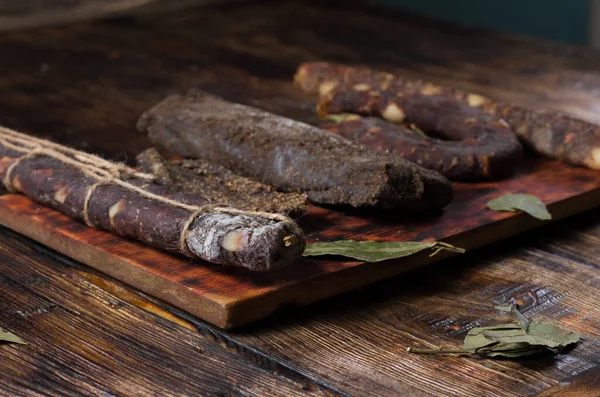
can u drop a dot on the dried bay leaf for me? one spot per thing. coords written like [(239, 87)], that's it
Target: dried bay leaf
[(500, 347), (521, 319), (476, 339), (515, 353), (375, 251), (492, 332), (511, 340), (540, 334), (520, 202), (9, 337)]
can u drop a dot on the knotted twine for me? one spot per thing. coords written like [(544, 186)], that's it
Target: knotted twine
[(106, 172)]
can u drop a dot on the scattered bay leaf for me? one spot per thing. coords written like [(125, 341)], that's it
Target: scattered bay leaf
[(515, 353), (511, 340), (476, 339), (375, 251), (520, 202), (540, 334), (512, 309), (9, 337)]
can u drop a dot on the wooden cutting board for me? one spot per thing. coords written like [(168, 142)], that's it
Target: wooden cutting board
[(230, 297)]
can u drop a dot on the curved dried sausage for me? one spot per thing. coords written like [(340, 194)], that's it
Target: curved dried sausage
[(482, 147), (466, 160), (548, 132)]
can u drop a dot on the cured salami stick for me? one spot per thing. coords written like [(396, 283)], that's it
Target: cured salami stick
[(467, 160), (290, 155), (116, 198), (484, 146), (548, 132)]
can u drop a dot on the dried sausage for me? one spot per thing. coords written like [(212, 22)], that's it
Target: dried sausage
[(548, 132)]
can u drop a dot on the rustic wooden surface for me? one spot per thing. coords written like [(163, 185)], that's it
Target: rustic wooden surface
[(83, 341), (86, 84), (27, 14)]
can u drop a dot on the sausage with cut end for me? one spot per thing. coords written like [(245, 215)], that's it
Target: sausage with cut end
[(135, 207)]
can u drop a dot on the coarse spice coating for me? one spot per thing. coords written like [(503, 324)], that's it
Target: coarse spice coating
[(199, 178), (481, 145), (291, 156), (548, 132), (229, 238)]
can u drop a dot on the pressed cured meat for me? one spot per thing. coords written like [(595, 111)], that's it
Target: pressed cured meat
[(290, 155)]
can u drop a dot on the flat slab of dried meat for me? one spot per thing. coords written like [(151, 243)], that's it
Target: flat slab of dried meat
[(291, 156)]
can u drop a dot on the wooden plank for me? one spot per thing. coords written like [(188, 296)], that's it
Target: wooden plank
[(85, 85), (22, 14), (83, 341), (585, 385), (358, 341), (88, 83)]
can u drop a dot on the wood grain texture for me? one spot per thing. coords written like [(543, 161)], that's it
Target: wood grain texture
[(90, 82), (83, 341), (86, 85), (357, 341), (584, 385), (22, 14)]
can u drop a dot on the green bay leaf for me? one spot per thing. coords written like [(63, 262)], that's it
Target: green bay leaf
[(375, 251), (476, 338), (504, 308), (512, 340), (521, 319), (9, 337), (512, 309), (520, 202), (510, 347), (515, 353), (539, 334)]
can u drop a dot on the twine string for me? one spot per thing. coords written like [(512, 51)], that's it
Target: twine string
[(105, 172)]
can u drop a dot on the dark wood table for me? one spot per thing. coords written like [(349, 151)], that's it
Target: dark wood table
[(85, 85)]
